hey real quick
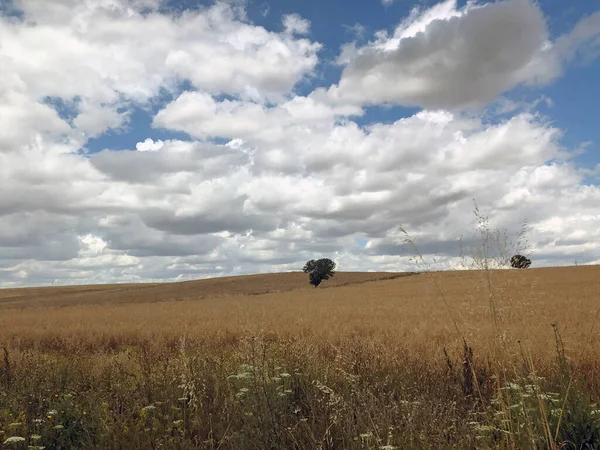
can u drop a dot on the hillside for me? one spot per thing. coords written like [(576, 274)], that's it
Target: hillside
[(187, 290)]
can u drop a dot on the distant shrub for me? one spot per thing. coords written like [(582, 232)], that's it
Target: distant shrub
[(520, 262), (319, 270)]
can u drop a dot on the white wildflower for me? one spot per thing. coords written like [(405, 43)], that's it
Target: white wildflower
[(242, 392)]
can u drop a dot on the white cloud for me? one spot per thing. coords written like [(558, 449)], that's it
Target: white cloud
[(449, 57), (583, 42), (23, 119), (107, 52), (94, 120), (199, 115), (295, 24), (418, 22), (301, 176), (421, 172), (149, 145), (92, 245), (348, 52)]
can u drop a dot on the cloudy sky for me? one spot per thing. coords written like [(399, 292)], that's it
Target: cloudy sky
[(147, 140)]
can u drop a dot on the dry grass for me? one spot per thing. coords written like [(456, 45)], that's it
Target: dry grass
[(405, 311), (189, 290), (372, 361)]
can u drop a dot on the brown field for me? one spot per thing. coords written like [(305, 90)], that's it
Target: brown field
[(188, 290), (404, 310), (401, 335)]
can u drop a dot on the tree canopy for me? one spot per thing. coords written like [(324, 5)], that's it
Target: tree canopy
[(520, 262), (319, 270)]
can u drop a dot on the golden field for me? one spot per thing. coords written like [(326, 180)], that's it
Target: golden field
[(369, 360), (400, 308)]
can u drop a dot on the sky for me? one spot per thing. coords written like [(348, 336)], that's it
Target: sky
[(166, 140)]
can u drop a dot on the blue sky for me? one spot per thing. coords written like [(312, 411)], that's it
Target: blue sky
[(166, 140)]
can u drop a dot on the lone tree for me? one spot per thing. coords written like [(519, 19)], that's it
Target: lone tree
[(319, 270), (520, 262)]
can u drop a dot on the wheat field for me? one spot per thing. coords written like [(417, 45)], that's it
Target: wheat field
[(367, 360)]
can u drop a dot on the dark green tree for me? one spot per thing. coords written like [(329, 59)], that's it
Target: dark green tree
[(319, 270), (520, 262)]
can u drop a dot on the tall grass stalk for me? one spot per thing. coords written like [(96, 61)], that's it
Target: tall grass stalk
[(492, 251)]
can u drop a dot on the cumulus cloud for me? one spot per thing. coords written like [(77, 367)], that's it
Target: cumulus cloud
[(199, 115), (20, 114), (169, 159), (268, 178), (450, 57), (131, 51), (187, 208), (295, 24), (95, 119)]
